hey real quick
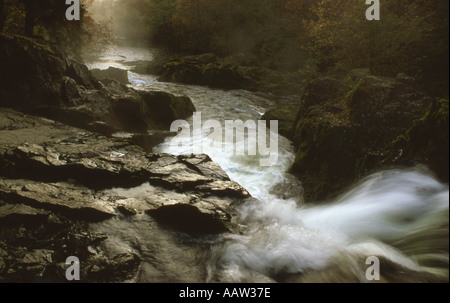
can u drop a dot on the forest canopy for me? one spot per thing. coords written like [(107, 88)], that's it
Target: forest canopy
[(46, 19), (286, 35), (412, 36)]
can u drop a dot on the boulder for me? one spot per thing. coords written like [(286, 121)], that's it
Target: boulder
[(131, 113), (426, 142), (285, 115), (188, 219), (165, 108), (118, 74), (217, 72), (141, 67), (36, 79), (344, 126)]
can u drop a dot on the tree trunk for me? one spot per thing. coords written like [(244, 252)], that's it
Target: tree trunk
[(29, 17), (2, 15)]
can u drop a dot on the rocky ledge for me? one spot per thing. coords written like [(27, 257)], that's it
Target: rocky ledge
[(66, 164), (227, 73), (63, 169), (38, 80), (56, 178)]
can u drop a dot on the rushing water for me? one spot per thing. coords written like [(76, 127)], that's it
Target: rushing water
[(400, 216)]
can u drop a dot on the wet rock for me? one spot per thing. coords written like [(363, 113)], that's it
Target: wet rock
[(22, 214), (188, 219), (122, 267), (56, 179), (285, 116), (81, 74), (65, 171), (215, 210), (131, 113), (151, 139), (141, 67), (111, 73), (211, 74), (26, 265), (289, 188), (98, 162), (224, 188), (165, 108), (72, 201)]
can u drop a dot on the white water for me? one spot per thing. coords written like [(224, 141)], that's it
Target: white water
[(388, 207), (398, 215)]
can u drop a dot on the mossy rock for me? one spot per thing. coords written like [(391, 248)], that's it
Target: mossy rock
[(345, 125), (118, 74), (427, 141), (131, 113), (165, 108), (216, 72), (285, 116)]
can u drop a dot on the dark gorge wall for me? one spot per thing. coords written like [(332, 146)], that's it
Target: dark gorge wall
[(350, 125), (36, 79)]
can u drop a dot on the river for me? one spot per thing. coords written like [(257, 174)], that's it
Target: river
[(400, 216)]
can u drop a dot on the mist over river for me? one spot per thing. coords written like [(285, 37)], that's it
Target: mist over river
[(399, 216)]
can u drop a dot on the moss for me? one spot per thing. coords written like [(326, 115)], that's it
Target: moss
[(428, 139), (350, 95), (221, 74), (285, 116)]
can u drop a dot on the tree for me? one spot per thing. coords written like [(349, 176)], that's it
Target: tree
[(2, 14), (30, 15)]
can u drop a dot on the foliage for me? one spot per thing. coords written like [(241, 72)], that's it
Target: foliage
[(255, 29), (286, 35), (411, 37), (47, 19)]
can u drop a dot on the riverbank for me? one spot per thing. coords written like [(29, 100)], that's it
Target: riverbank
[(224, 73), (345, 125)]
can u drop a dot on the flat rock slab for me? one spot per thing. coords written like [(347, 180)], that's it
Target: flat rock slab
[(70, 200), (55, 180), (62, 169)]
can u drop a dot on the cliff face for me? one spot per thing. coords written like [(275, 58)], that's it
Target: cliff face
[(348, 126)]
